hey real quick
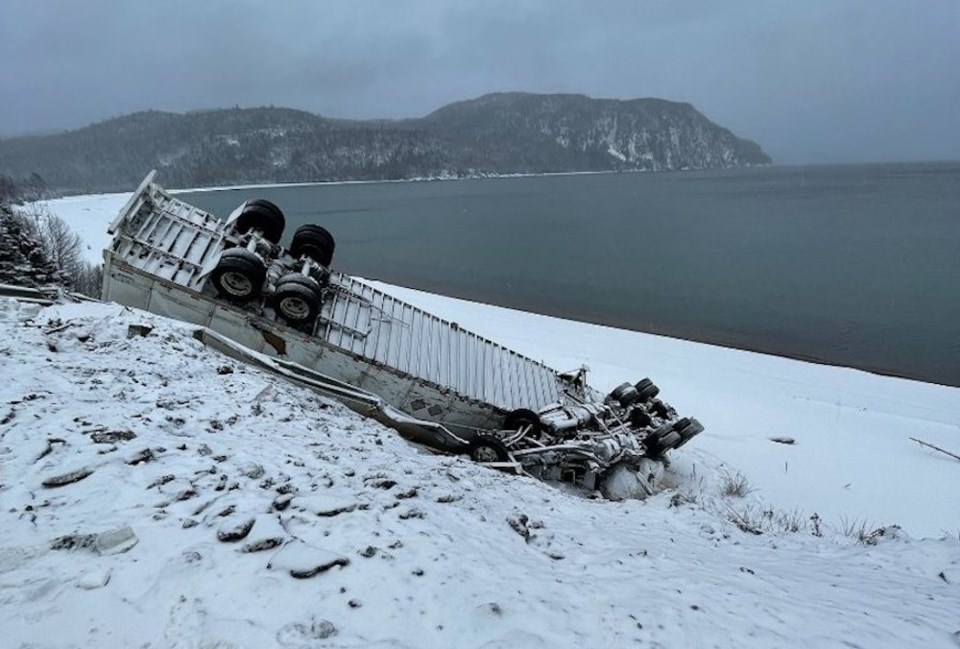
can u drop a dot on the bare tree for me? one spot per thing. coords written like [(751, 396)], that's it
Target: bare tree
[(64, 249), (89, 279), (62, 245)]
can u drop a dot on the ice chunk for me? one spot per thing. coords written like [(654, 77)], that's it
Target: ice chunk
[(94, 579), (115, 541)]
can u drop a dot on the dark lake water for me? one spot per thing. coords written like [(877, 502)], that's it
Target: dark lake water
[(855, 265)]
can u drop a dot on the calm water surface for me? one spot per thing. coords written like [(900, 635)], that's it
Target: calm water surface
[(856, 265)]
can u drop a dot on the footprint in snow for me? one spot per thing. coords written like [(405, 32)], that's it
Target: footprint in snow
[(298, 634), (185, 627)]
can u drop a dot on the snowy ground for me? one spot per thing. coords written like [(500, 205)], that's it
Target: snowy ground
[(185, 448), (359, 539)]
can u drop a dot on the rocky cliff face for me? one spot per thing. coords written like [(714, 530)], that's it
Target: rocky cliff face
[(575, 132), (494, 134)]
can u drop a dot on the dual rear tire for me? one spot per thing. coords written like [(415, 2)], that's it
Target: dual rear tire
[(314, 242), (646, 390), (661, 441), (239, 275), (627, 395), (263, 216), (297, 299)]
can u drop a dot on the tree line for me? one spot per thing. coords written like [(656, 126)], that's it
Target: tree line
[(38, 248)]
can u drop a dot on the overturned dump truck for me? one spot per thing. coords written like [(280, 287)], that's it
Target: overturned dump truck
[(437, 383)]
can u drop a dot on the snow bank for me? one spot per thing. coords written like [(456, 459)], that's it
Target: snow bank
[(155, 492)]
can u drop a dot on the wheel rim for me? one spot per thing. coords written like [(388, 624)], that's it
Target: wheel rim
[(485, 454), (236, 284), (294, 308)]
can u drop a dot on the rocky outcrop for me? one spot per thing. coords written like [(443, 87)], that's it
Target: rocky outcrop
[(527, 132)]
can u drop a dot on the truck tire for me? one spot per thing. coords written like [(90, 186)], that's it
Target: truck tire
[(625, 394), (521, 417), (239, 275), (315, 242), (646, 389), (268, 219), (661, 441), (688, 431), (303, 280), (487, 448), (296, 302), (262, 202)]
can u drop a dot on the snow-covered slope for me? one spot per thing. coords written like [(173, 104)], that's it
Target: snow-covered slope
[(89, 216), (852, 459), (131, 467)]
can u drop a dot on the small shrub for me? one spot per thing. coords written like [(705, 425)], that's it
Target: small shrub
[(855, 528), (865, 533), (815, 521), (744, 520), (784, 521), (757, 521), (735, 485)]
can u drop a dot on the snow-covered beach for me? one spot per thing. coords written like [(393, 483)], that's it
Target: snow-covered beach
[(186, 448)]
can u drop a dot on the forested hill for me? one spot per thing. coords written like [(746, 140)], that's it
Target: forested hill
[(495, 134)]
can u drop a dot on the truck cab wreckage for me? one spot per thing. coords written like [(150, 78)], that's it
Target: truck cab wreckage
[(284, 309)]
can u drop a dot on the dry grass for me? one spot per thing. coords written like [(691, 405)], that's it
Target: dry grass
[(864, 532), (757, 520), (735, 485)]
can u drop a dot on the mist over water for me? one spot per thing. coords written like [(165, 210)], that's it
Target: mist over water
[(855, 265)]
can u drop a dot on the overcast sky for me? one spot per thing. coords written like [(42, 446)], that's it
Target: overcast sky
[(811, 81)]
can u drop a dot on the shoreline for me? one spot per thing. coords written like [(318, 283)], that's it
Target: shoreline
[(507, 176), (706, 339), (418, 179), (422, 179)]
